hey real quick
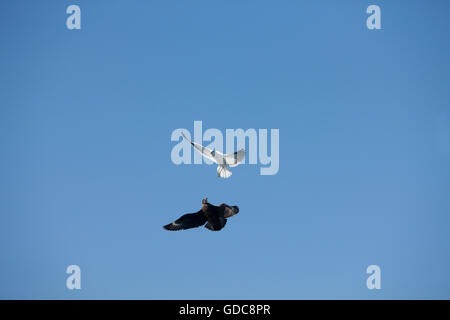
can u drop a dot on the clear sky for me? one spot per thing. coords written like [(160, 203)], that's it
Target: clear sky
[(86, 176)]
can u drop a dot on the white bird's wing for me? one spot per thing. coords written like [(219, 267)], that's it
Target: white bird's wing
[(206, 152), (235, 158)]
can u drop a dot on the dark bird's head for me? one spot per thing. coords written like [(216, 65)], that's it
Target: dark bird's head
[(229, 211)]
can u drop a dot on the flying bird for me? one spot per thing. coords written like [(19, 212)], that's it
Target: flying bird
[(224, 161), (215, 217)]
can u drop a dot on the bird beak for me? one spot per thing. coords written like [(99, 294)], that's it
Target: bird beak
[(235, 209)]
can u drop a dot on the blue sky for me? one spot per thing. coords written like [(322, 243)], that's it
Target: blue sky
[(86, 176)]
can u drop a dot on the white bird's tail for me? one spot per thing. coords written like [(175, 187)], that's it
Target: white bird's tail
[(223, 171)]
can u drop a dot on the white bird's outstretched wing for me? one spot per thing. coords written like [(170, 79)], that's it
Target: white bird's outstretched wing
[(235, 158), (206, 152)]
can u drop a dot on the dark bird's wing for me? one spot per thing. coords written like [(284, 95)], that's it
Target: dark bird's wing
[(190, 220), (216, 224)]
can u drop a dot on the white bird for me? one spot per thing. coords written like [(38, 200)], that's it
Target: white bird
[(224, 161)]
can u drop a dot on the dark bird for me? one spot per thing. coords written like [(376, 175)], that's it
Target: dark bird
[(215, 217)]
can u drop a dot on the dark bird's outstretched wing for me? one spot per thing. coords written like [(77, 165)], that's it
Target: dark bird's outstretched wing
[(190, 220)]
